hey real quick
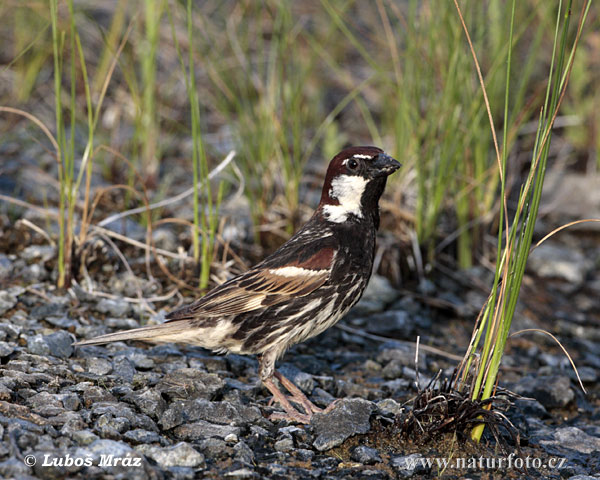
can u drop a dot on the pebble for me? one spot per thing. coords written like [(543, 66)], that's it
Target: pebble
[(58, 344), (7, 301), (180, 455), (366, 455), (349, 417), (552, 391), (408, 465)]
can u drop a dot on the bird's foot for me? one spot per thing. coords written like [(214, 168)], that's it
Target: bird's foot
[(296, 395)]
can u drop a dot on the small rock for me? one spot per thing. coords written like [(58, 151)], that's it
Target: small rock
[(41, 253), (57, 344), (201, 429), (552, 391), (5, 266), (409, 465), (7, 301), (389, 407), (365, 455), (574, 439), (98, 366), (139, 435), (349, 417), (6, 349), (188, 383), (558, 261), (243, 472), (179, 455), (285, 444), (114, 307), (243, 453), (378, 294)]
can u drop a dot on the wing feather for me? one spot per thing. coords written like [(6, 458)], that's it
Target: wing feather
[(269, 283)]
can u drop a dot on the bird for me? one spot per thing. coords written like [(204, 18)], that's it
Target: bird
[(306, 286)]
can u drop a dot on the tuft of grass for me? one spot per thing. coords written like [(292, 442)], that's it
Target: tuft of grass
[(515, 240)]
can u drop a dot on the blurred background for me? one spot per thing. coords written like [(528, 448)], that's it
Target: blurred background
[(154, 95)]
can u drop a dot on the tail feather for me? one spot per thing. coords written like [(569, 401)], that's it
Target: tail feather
[(166, 332)]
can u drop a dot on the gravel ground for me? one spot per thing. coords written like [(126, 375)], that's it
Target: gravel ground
[(139, 411)]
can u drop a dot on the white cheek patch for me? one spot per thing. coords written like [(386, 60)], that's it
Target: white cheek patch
[(347, 190)]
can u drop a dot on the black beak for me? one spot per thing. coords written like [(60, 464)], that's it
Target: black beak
[(385, 165)]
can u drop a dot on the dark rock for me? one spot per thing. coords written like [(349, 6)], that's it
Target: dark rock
[(98, 366), (573, 438), (7, 300), (243, 453), (14, 468), (6, 349), (150, 402), (304, 455), (57, 344), (187, 383), (551, 391), (365, 455), (201, 429), (114, 307), (139, 435), (123, 369), (349, 417)]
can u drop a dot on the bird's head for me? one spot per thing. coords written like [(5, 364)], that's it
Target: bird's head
[(354, 183)]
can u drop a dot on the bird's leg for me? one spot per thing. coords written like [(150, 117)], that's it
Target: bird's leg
[(297, 394), (291, 412)]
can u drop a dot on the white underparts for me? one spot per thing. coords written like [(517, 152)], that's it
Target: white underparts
[(296, 272), (347, 190)]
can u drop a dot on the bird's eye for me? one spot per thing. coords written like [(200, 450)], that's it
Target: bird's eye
[(352, 164)]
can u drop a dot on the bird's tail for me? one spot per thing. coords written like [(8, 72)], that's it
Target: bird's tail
[(177, 331)]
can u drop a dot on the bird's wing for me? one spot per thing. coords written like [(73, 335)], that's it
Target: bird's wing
[(294, 270)]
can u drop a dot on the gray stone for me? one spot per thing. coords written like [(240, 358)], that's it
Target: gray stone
[(365, 455), (378, 294), (409, 465), (389, 407), (139, 435), (284, 444), (574, 439), (150, 402), (179, 455), (41, 253), (7, 301), (114, 307), (188, 383), (244, 472), (349, 417), (201, 429), (6, 349), (14, 468), (98, 366), (57, 344), (551, 391), (243, 453), (551, 260), (84, 437), (5, 266)]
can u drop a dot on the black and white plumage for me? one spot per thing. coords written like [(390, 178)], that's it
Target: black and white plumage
[(300, 290)]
